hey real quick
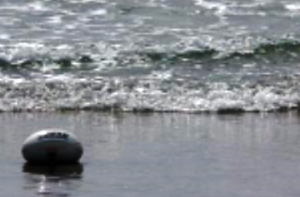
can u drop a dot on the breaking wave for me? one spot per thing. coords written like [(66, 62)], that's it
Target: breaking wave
[(76, 60), (265, 78)]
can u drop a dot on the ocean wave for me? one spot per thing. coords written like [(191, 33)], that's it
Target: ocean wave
[(73, 59), (271, 51), (74, 78)]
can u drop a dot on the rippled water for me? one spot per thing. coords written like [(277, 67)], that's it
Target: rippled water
[(153, 55)]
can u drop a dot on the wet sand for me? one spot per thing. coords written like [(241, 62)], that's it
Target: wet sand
[(178, 155)]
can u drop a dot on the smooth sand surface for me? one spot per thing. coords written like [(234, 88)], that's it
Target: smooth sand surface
[(161, 155)]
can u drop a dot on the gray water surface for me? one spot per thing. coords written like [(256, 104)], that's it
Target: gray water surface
[(159, 155)]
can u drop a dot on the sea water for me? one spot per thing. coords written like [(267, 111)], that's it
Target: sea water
[(103, 69), (154, 55)]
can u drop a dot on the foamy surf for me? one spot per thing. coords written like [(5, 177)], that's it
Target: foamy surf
[(140, 95), (149, 56)]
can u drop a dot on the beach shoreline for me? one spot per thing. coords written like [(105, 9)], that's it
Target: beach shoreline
[(158, 154)]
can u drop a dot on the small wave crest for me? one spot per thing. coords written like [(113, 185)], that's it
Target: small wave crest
[(96, 58), (65, 57), (272, 51)]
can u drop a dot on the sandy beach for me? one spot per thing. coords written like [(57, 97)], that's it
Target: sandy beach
[(178, 155)]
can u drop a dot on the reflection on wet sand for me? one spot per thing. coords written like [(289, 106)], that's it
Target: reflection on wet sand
[(54, 181)]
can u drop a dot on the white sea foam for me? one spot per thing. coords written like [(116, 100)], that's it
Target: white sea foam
[(148, 55), (293, 7), (67, 92), (212, 5), (98, 12)]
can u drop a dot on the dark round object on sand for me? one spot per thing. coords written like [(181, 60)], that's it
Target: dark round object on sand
[(52, 146)]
